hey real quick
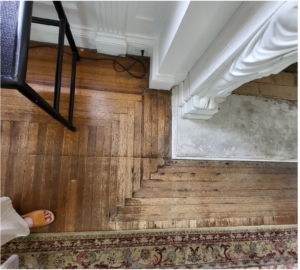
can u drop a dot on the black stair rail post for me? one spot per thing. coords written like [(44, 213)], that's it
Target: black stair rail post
[(14, 76), (28, 92), (59, 62), (75, 55), (72, 88), (62, 16)]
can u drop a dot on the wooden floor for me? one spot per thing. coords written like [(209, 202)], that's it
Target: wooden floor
[(115, 172)]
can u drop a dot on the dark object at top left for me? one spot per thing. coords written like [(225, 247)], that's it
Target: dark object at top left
[(16, 18)]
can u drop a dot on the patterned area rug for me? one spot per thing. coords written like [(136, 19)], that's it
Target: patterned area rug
[(247, 247)]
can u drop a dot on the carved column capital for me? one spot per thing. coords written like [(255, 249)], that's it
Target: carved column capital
[(260, 39)]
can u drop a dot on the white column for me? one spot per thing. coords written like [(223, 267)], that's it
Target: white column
[(260, 39), (189, 29)]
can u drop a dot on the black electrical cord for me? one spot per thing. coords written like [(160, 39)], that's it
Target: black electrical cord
[(123, 69)]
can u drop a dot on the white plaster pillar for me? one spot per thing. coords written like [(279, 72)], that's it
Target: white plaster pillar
[(188, 30), (260, 39)]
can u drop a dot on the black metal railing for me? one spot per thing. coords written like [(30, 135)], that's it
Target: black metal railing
[(17, 76)]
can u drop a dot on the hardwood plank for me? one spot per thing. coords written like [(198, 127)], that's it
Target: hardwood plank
[(168, 224), (161, 125), (159, 193), (213, 215), (41, 142), (286, 219), (143, 225), (123, 139), (33, 130), (27, 198), (23, 137), (88, 194), (130, 132), (91, 146), (219, 177), (100, 140), (233, 185), (154, 125), (71, 206), (188, 211), (137, 129), (54, 192), (146, 139), (18, 179), (98, 194), (70, 143), (136, 174), (86, 103), (206, 200), (15, 134), (38, 182), (54, 139), (44, 118), (121, 184), (63, 189), (80, 193), (4, 168), (158, 225), (107, 142), (115, 138), (5, 136), (129, 178), (229, 164), (123, 226), (83, 140), (113, 187), (105, 176), (82, 92), (146, 171), (150, 166), (74, 167), (18, 137), (45, 187), (218, 170)]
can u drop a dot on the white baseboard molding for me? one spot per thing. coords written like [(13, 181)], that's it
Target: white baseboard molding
[(88, 38)]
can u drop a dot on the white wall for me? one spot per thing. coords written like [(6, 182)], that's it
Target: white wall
[(111, 27)]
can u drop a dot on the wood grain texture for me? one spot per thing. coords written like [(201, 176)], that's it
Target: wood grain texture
[(115, 172)]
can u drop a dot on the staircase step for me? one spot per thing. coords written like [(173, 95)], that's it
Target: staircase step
[(227, 170), (161, 193), (180, 212), (204, 222), (228, 164), (234, 184), (205, 200), (237, 177)]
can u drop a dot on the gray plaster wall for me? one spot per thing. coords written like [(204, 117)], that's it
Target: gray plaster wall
[(245, 128)]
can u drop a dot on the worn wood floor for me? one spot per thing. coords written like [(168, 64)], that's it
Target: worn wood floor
[(115, 172)]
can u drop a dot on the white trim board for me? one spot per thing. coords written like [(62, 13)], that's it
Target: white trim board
[(88, 38)]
